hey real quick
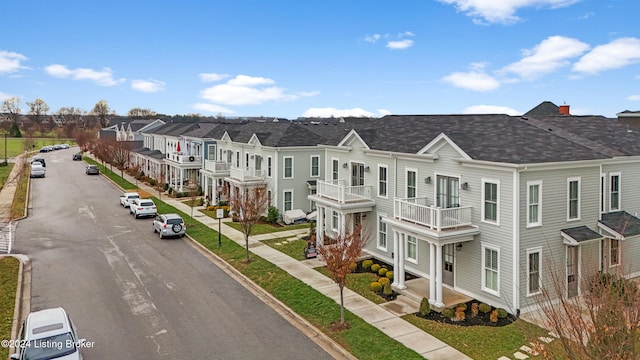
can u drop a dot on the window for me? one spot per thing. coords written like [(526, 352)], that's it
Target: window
[(269, 166), (614, 251), (382, 234), (382, 181), (614, 195), (534, 199), (412, 185), (237, 159), (335, 169), (490, 276), (246, 160), (533, 271), (573, 195), (603, 191), (334, 220), (315, 166), (212, 152), (288, 200), (312, 204), (448, 191), (412, 248), (490, 199), (288, 167)]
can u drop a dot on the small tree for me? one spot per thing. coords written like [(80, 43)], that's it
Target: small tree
[(339, 256), (160, 184), (248, 206), (194, 191)]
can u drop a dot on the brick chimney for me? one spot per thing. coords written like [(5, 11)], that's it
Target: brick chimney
[(564, 110)]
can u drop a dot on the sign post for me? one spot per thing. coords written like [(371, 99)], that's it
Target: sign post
[(219, 215)]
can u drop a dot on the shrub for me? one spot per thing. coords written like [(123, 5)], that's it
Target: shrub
[(151, 181), (272, 215), (353, 267), (494, 316), (485, 308), (460, 315), (375, 286), (387, 290), (448, 313), (425, 307), (475, 309), (389, 275), (462, 305), (382, 271), (366, 264), (384, 281), (502, 313), (375, 268)]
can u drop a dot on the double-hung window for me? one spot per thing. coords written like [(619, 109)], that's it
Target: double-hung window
[(382, 181), (614, 195), (315, 166), (533, 271), (490, 269), (614, 251), (573, 198), (534, 203), (288, 200), (335, 169), (412, 184), (382, 234), (288, 167), (490, 197), (412, 248)]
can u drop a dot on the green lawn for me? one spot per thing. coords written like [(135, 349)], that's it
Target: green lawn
[(8, 285), (360, 283), (267, 228), (17, 146), (4, 172), (293, 248)]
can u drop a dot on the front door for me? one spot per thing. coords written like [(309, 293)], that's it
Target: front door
[(357, 174), (572, 271), (447, 264), (448, 189)]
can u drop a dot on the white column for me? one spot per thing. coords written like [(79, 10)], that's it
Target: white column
[(432, 273), (396, 263), (181, 178), (320, 225), (400, 276), (439, 302), (206, 188)]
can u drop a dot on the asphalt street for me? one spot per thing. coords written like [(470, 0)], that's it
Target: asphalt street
[(132, 295)]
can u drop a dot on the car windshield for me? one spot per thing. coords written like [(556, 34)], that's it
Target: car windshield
[(174, 221), (134, 196), (50, 347)]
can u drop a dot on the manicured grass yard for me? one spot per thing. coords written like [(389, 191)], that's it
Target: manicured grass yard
[(293, 248), (360, 283), (5, 171), (267, 228), (8, 285)]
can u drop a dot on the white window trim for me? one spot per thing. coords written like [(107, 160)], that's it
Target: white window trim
[(269, 166), (529, 252), (406, 249), (333, 159), (539, 222), (482, 211), (612, 265), (482, 267), (569, 181), (284, 198), (619, 175), (406, 181), (383, 248), (386, 196), (284, 167), (336, 215), (603, 193), (311, 166)]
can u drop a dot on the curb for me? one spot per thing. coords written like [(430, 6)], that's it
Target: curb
[(22, 304), (321, 339)]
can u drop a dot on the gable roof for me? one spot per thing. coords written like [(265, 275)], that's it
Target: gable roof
[(545, 108)]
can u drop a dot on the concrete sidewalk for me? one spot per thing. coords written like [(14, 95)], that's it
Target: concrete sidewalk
[(385, 317)]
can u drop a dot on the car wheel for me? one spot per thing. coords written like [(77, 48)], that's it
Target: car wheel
[(176, 228)]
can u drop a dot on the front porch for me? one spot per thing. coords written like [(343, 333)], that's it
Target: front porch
[(417, 289)]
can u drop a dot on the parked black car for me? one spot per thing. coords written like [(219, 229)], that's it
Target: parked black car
[(93, 170), (77, 156)]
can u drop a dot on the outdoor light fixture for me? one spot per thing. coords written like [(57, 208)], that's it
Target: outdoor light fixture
[(427, 180), (465, 186), (458, 247), (345, 165), (366, 169)]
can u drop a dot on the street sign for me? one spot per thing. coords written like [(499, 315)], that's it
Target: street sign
[(219, 213)]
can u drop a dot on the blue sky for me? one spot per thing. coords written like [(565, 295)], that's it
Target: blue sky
[(323, 58)]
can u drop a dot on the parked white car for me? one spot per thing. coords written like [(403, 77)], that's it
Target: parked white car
[(142, 207), (37, 170), (125, 199), (48, 334), (169, 225)]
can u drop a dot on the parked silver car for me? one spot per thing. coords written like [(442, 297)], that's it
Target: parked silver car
[(169, 225)]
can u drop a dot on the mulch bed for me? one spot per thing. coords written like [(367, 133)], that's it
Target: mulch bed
[(481, 319)]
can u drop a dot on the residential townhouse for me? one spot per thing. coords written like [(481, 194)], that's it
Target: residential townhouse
[(492, 206)]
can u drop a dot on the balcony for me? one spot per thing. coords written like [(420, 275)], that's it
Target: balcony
[(337, 194), (185, 159), (246, 174), (418, 211), (217, 168)]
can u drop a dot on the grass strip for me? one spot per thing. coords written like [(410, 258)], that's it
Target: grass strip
[(8, 285)]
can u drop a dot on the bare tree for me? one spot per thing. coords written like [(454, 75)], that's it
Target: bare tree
[(339, 257), (120, 152), (140, 113), (194, 191), (11, 107), (160, 183), (248, 206), (101, 111), (38, 109)]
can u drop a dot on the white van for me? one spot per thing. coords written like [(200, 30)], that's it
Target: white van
[(37, 170)]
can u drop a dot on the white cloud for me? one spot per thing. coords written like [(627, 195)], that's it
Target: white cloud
[(212, 108), (476, 80), (491, 109), (616, 54), (372, 38), (501, 11), (333, 112), (634, 97), (212, 77), (400, 44), (148, 86), (551, 54), (102, 78), (11, 62), (246, 90)]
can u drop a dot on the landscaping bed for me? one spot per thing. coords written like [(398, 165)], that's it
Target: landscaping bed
[(471, 313)]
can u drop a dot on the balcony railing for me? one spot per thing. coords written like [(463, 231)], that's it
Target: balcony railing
[(338, 190), (419, 211), (217, 167), (185, 159), (246, 174)]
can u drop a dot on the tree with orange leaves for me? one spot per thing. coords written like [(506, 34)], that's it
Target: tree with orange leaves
[(338, 258)]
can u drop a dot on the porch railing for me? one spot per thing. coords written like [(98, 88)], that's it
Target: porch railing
[(217, 166), (185, 159), (419, 211), (246, 174), (339, 190)]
